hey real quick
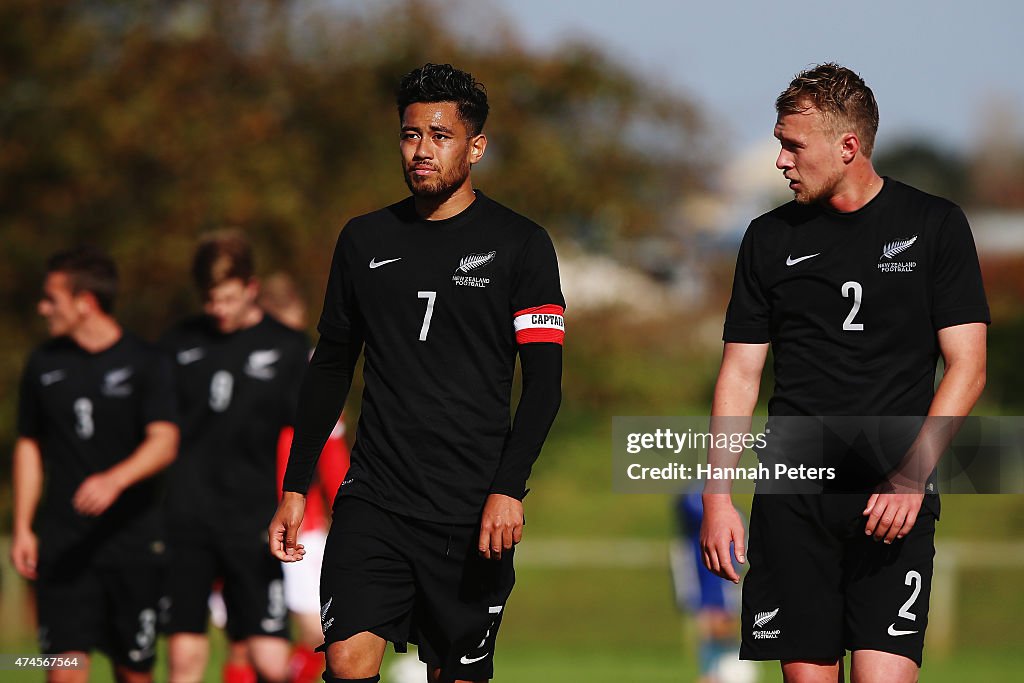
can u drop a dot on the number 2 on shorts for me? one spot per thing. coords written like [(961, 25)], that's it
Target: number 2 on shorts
[(914, 578)]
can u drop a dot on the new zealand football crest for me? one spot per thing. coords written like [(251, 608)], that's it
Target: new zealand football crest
[(891, 250), (115, 383), (469, 263), (261, 364)]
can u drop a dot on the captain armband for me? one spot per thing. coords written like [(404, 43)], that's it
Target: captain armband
[(540, 324)]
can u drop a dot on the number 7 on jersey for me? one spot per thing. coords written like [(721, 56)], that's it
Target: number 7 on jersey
[(428, 314)]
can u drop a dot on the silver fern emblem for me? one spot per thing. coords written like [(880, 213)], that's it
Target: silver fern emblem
[(893, 248), (474, 261), (762, 618), (323, 611)]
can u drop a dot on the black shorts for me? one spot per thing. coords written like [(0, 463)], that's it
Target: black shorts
[(253, 586), (409, 580), (82, 607), (818, 586)]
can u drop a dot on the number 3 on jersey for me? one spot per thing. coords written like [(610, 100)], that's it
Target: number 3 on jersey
[(853, 288), (428, 314)]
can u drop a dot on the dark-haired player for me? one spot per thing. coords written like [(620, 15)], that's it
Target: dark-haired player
[(96, 421), (443, 289), (237, 374), (859, 285)]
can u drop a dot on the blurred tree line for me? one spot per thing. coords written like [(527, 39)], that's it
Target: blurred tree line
[(137, 126)]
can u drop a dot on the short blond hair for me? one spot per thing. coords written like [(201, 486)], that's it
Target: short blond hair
[(846, 103)]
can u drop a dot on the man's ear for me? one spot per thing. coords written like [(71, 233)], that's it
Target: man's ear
[(477, 147), (85, 302), (849, 147)]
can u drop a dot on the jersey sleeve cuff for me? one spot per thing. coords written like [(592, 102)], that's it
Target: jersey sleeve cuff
[(291, 487), (961, 316), (746, 335), (515, 490)]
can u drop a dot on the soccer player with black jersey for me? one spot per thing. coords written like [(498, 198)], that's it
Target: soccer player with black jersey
[(859, 286), (441, 291), (96, 422), (237, 375)]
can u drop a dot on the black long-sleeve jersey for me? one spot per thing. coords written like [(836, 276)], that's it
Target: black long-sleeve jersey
[(442, 307)]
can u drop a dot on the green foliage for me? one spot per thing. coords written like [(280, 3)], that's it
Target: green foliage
[(138, 126), (921, 164), (1005, 370)]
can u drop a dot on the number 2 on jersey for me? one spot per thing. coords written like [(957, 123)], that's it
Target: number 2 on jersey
[(430, 297), (853, 288)]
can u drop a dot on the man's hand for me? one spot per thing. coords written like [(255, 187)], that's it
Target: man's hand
[(96, 494), (25, 553), (720, 529), (891, 515), (501, 525), (284, 528)]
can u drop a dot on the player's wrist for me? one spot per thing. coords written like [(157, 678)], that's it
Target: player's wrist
[(117, 480), (716, 498), (899, 482), (517, 492), (22, 530)]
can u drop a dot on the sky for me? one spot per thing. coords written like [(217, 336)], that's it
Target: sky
[(936, 66)]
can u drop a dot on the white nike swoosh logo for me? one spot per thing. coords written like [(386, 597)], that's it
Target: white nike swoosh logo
[(52, 377), (790, 261), (467, 660), (374, 263), (189, 356), (894, 632)]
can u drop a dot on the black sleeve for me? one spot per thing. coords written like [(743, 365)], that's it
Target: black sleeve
[(958, 296), (29, 413), (537, 304), (340, 309), (536, 283), (538, 404), (295, 369), (160, 404), (748, 318), (322, 396)]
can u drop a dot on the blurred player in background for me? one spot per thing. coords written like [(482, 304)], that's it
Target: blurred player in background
[(280, 298), (96, 422), (237, 378), (445, 288), (860, 284), (713, 601)]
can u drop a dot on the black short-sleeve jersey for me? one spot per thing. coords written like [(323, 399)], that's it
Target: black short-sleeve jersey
[(235, 393), (88, 412), (441, 306), (852, 302)]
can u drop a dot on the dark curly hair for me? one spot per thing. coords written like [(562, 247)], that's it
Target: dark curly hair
[(844, 100), (445, 83)]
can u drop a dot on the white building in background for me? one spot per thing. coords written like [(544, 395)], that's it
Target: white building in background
[(997, 232)]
